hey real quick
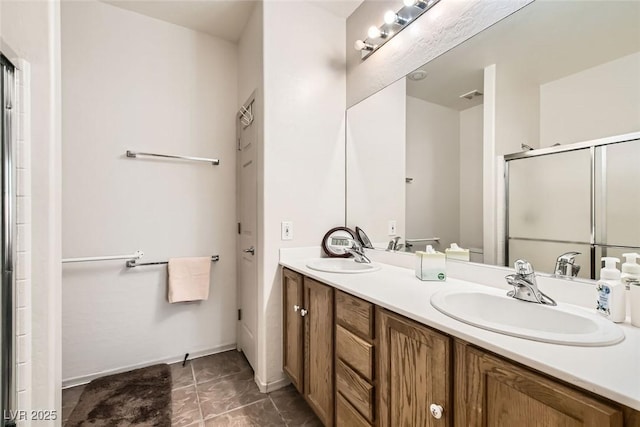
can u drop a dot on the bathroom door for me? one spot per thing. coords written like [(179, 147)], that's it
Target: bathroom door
[(247, 231)]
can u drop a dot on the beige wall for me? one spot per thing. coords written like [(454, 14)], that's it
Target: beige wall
[(471, 177), (595, 103), (433, 151), (131, 82), (376, 146)]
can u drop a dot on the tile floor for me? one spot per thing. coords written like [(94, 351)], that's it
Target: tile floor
[(219, 390)]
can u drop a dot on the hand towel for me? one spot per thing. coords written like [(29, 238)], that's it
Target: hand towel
[(188, 279)]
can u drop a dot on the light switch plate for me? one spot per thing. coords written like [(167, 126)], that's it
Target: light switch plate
[(286, 230), (392, 227)]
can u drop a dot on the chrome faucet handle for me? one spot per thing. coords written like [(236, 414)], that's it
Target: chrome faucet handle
[(393, 244), (357, 251), (523, 267), (565, 265)]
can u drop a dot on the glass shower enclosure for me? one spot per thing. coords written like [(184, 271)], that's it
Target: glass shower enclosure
[(582, 197), (7, 232)]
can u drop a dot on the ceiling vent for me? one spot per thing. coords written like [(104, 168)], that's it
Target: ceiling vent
[(470, 95)]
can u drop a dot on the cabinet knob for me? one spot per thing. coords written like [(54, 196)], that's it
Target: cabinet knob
[(296, 308), (436, 411), (303, 312)]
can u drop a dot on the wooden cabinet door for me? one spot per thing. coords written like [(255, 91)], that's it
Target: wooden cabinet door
[(293, 340), (499, 393), (413, 372), (318, 375)]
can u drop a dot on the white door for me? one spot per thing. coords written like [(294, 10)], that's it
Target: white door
[(247, 219)]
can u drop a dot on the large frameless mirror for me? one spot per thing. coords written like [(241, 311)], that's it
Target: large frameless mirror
[(558, 73)]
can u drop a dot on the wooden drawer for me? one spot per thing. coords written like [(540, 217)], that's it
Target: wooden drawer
[(347, 416), (355, 389), (355, 314), (355, 351)]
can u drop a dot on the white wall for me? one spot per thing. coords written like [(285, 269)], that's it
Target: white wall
[(32, 30), (304, 90), (133, 82), (445, 26), (517, 110), (250, 73), (433, 151), (376, 145), (471, 177), (595, 103)]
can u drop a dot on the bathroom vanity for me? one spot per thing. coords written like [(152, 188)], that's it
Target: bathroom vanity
[(369, 349)]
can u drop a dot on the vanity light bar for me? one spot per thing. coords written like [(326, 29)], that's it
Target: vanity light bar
[(394, 22)]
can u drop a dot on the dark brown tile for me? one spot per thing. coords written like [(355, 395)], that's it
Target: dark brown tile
[(186, 410), (227, 394), (293, 408), (70, 397), (219, 365), (261, 413), (181, 376)]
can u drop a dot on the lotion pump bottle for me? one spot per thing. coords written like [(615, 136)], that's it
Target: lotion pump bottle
[(611, 301)]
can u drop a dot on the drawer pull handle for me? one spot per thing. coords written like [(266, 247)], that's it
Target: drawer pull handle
[(303, 312), (436, 411)]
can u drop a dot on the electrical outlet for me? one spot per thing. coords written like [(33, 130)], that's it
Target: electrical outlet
[(392, 227), (286, 230)]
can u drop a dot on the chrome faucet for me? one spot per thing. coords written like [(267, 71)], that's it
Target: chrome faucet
[(356, 249), (393, 244), (525, 287), (566, 266)]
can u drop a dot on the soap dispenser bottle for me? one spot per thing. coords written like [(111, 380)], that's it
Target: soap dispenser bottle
[(611, 296), (630, 269), (631, 278)]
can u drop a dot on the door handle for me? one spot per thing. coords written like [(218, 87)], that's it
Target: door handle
[(251, 250)]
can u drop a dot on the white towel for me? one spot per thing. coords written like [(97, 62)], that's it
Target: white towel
[(188, 279)]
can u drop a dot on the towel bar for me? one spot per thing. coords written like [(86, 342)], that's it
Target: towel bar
[(131, 258), (132, 263), (135, 154)]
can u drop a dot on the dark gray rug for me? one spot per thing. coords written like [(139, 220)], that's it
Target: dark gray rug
[(141, 397)]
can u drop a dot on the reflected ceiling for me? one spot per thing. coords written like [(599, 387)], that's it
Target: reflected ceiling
[(544, 41)]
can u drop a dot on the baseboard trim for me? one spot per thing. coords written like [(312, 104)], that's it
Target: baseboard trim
[(265, 387), (84, 379)]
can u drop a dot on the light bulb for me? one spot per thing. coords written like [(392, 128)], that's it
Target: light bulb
[(360, 45), (410, 3), (390, 17), (374, 32)]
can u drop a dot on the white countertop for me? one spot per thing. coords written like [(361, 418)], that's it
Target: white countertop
[(611, 371)]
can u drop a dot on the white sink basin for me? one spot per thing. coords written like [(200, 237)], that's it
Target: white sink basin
[(341, 265), (491, 309)]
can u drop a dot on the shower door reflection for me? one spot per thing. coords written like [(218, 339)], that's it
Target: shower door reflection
[(7, 327)]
